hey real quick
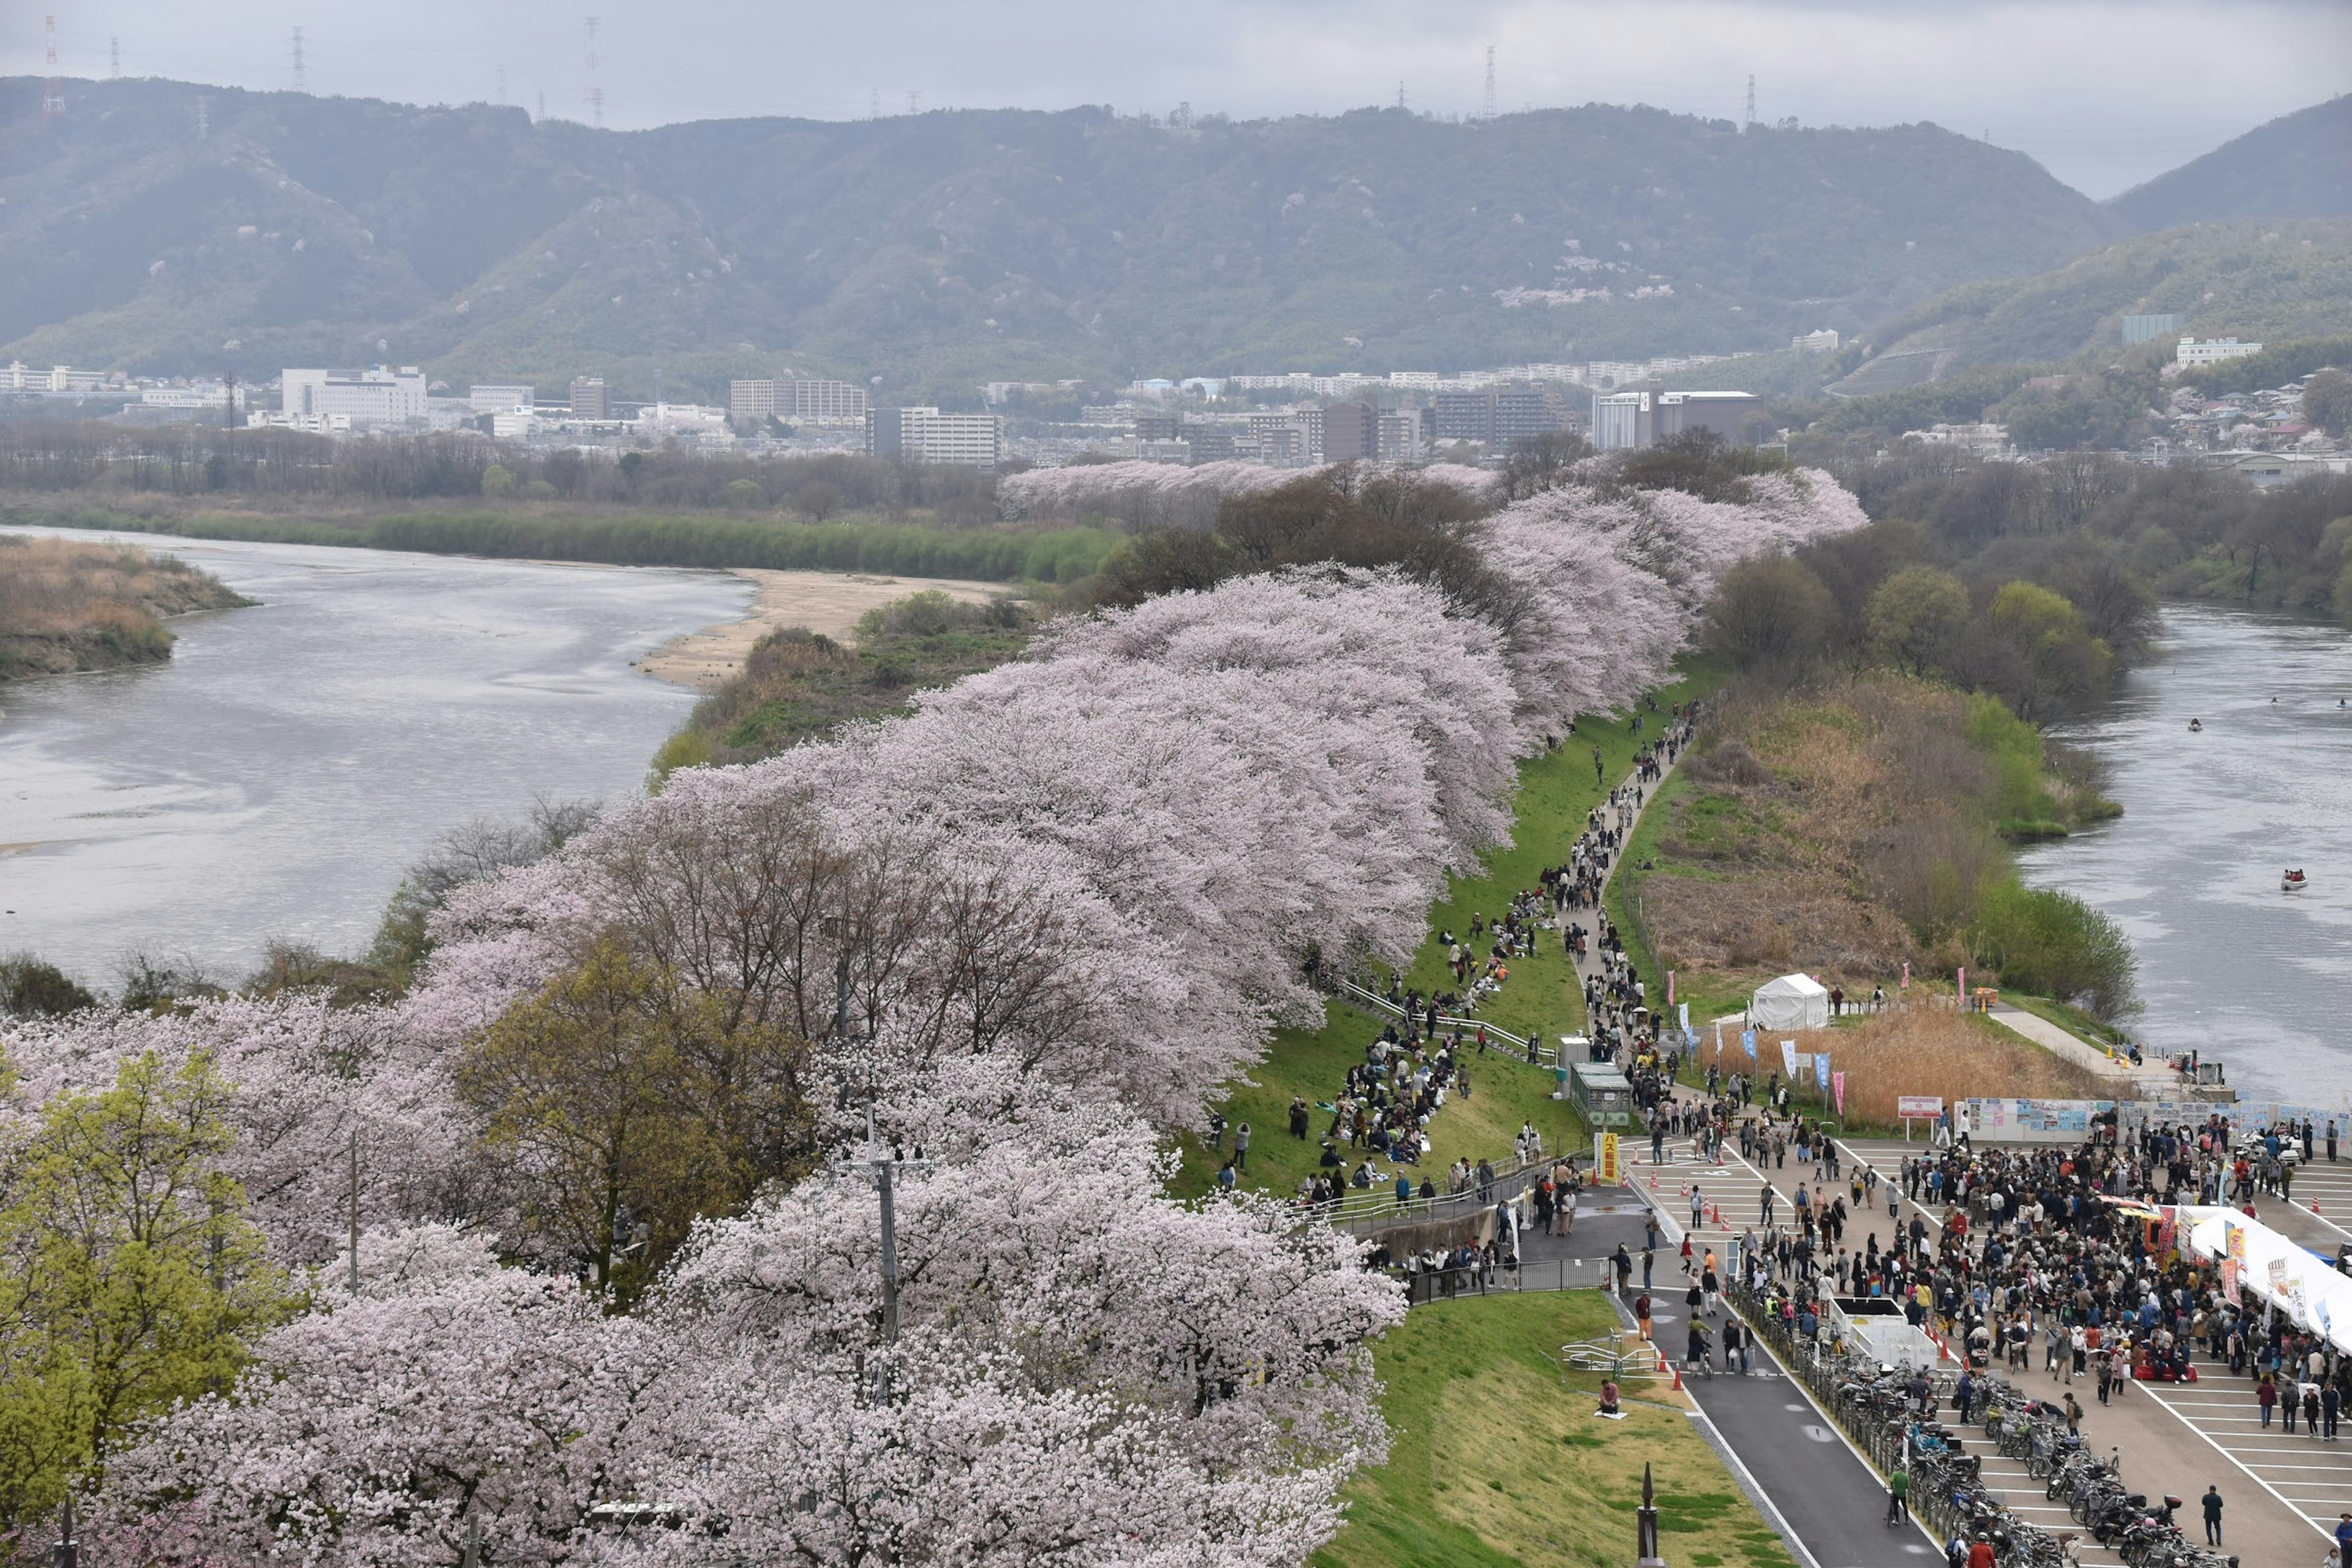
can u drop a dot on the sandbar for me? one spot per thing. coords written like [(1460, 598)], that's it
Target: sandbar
[(827, 602)]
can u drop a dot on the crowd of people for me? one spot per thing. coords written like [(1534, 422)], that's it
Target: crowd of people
[(2004, 1252)]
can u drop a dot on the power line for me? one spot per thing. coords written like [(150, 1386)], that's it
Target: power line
[(53, 94)]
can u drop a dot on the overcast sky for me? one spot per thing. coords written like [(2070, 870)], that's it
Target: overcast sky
[(2105, 96)]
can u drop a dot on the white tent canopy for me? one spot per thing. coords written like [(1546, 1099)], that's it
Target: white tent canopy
[(1791, 1002), (2276, 1269)]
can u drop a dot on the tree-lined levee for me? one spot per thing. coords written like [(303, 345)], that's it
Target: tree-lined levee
[(610, 1250)]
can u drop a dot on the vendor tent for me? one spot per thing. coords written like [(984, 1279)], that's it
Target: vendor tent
[(2275, 1269), (1791, 1002)]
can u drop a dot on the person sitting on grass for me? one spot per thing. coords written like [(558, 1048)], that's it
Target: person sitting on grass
[(1609, 1401)]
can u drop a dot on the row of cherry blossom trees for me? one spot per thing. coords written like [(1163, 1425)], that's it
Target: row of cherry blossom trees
[(1042, 915)]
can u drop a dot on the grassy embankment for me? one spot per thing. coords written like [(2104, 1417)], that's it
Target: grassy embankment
[(796, 685), (554, 532), (1845, 829), (68, 605), (1542, 996), (1497, 1463)]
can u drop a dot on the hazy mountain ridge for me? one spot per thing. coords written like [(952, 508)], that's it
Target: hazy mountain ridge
[(2299, 165), (941, 249), (2261, 281)]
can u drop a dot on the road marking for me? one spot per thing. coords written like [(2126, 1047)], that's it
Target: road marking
[(2243, 1468)]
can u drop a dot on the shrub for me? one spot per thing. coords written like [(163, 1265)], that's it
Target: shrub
[(2056, 945)]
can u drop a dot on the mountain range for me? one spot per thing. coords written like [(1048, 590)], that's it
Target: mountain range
[(162, 228)]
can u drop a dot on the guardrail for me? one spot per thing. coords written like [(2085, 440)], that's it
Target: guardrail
[(1511, 1183), (1426, 1285), (1531, 1047)]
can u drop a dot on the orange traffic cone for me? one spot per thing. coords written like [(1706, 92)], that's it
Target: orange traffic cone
[(1679, 1377), (2315, 1205), (1654, 1181)]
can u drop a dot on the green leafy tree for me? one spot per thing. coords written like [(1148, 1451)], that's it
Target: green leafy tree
[(625, 1106), (1775, 611), (2063, 664), (2327, 402), (2054, 944), (1915, 616), (129, 1278)]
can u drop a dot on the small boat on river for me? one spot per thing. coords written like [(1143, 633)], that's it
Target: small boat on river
[(2292, 881), (2197, 726)]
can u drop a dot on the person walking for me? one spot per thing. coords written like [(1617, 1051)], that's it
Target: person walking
[(1898, 1495), (2212, 1500), (1241, 1147), (2266, 1395)]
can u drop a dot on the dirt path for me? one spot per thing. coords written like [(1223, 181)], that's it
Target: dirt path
[(827, 602)]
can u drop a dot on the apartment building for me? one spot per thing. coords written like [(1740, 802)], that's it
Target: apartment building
[(589, 398), (927, 436), (796, 400)]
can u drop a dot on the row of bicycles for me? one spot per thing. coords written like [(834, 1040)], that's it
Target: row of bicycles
[(1908, 1419)]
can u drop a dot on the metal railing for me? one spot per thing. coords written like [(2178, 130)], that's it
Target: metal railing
[(1426, 1285), (1511, 1183), (1533, 1049)]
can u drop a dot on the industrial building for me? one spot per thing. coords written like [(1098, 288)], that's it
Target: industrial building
[(376, 397), (1644, 416)]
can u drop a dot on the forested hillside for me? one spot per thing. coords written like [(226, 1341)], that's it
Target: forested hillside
[(2266, 281), (2299, 165), (941, 249)]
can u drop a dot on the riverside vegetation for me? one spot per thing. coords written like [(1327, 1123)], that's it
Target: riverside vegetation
[(68, 605)]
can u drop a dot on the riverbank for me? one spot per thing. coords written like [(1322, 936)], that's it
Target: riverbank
[(609, 535), (67, 606), (828, 603)]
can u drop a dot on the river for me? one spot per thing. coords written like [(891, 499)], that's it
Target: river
[(2228, 964), (272, 780)]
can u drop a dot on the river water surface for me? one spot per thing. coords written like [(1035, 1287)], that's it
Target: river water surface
[(2228, 963), (273, 779)]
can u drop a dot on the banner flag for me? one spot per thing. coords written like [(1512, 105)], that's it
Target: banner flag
[(1837, 1082), (1822, 1068), (1788, 1057), (1748, 1038)]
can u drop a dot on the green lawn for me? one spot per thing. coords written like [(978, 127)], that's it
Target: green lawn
[(2073, 1020), (1555, 791), (1496, 1462)]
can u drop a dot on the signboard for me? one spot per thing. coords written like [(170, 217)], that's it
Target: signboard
[(1918, 1107), (2241, 1117), (2229, 1279), (2033, 1121), (1605, 1165)]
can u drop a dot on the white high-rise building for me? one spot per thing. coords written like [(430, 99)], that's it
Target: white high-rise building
[(378, 395)]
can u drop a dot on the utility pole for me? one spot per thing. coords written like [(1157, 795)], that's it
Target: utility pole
[(53, 94), (355, 1211), (595, 89), (884, 1169)]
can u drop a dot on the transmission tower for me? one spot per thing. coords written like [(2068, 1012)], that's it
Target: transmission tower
[(301, 72), (874, 104), (114, 57), (595, 89), (1751, 101), (914, 103), (499, 91), (53, 95), (203, 116), (1400, 95), (1487, 111)]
